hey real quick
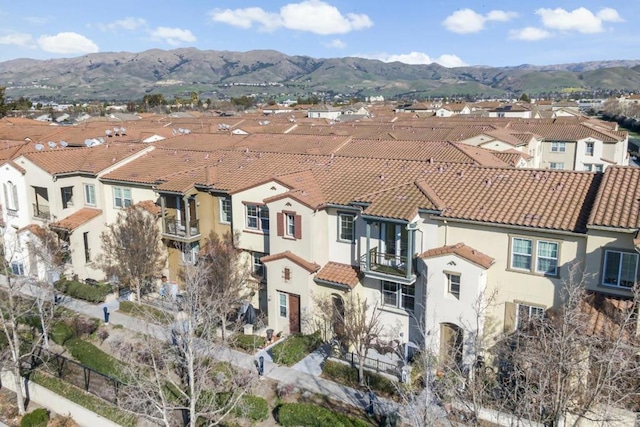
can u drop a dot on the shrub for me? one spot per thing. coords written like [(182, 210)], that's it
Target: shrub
[(310, 415), (83, 327), (348, 375), (253, 407), (79, 290), (36, 418), (145, 311), (61, 333), (295, 348), (94, 358), (248, 343)]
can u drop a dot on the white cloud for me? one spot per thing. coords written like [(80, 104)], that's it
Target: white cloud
[(446, 60), (37, 20), (336, 43), (173, 36), (17, 39), (465, 21), (67, 43), (314, 16), (580, 20), (529, 34), (128, 23)]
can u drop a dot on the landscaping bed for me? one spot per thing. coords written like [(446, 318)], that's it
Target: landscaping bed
[(348, 375), (311, 415), (248, 343), (146, 312), (295, 348), (92, 293)]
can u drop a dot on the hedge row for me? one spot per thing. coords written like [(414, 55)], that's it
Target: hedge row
[(295, 348), (79, 290), (310, 415), (348, 375)]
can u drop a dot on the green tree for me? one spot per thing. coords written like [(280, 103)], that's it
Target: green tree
[(3, 106), (525, 98)]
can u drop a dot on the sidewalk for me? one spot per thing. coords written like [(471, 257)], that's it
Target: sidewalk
[(304, 375)]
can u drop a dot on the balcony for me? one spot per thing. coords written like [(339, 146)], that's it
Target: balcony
[(378, 265), (41, 211), (182, 230)]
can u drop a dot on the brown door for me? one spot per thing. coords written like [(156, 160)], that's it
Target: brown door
[(294, 314)]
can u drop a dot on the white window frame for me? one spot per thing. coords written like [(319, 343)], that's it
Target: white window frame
[(558, 147), (225, 214), (258, 266), (618, 280), (11, 196), (89, 194), (190, 252), (343, 220), (589, 149), (261, 217), (290, 225), (453, 286), (400, 293), (558, 166), (535, 257), (283, 304), (17, 268), (120, 197), (533, 311), (69, 201)]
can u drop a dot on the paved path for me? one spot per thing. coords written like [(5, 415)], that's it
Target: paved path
[(312, 364)]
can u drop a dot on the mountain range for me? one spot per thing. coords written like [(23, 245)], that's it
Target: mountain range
[(221, 74)]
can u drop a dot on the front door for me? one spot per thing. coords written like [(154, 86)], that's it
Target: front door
[(294, 314)]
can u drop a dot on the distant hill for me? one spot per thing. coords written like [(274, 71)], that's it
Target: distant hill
[(218, 74)]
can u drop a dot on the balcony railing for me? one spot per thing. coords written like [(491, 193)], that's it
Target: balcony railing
[(179, 228), (41, 211), (391, 264)]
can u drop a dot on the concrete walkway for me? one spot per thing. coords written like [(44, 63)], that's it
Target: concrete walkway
[(303, 375)]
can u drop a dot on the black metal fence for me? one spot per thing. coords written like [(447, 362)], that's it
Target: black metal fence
[(72, 372), (373, 364)]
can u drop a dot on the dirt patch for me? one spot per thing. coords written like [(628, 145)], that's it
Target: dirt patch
[(9, 411)]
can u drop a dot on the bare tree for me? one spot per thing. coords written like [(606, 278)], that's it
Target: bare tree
[(228, 276), (132, 248), (178, 374), (358, 323), (577, 362)]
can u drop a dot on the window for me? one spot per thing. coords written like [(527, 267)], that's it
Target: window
[(67, 196), (17, 268), (398, 296), (527, 313), (620, 269), (453, 285), (558, 147), (544, 257), (258, 217), (290, 224), (345, 227), (89, 194), (11, 196), (588, 149), (282, 302), (225, 210), (258, 266), (121, 197), (87, 251), (556, 165), (190, 252)]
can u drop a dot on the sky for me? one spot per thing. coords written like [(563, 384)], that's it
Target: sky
[(449, 32)]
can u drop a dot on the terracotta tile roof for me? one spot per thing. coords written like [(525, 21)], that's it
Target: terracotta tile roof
[(604, 314), (568, 132), (76, 219), (150, 206), (511, 157), (304, 188), (618, 201), (341, 274), (399, 202), (183, 181), (463, 251), (88, 159), (311, 267)]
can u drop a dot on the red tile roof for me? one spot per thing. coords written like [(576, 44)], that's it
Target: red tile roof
[(463, 251), (311, 267), (618, 201), (341, 274), (76, 219)]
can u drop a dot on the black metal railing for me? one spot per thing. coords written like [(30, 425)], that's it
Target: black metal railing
[(380, 262), (373, 364), (41, 211), (179, 228)]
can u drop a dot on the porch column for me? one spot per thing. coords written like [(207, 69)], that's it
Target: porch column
[(368, 246), (409, 252), (163, 209), (187, 216)]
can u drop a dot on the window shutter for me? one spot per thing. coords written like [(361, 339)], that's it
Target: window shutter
[(509, 317), (6, 195), (297, 226), (280, 220)]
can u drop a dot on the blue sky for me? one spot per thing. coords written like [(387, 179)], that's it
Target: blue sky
[(449, 32)]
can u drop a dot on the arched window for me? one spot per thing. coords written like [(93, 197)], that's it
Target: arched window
[(11, 196)]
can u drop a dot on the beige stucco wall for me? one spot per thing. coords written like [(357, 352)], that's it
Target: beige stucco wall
[(568, 157), (598, 241)]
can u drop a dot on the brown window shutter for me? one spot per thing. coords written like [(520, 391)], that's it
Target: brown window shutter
[(297, 227), (509, 317), (280, 220)]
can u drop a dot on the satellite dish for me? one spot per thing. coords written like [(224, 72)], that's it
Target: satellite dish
[(101, 139), (123, 131), (108, 132), (173, 131), (39, 147), (52, 144), (88, 142), (186, 131), (64, 144)]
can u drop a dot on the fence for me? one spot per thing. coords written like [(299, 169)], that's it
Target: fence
[(373, 364), (75, 373)]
